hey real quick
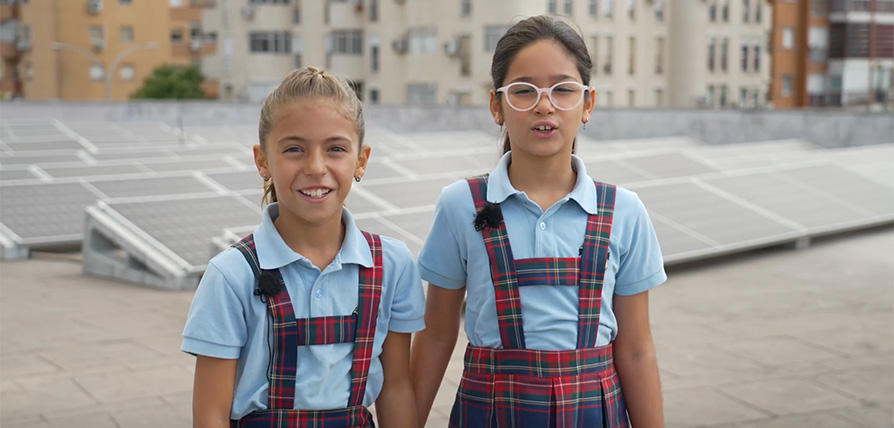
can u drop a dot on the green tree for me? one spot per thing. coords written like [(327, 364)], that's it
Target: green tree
[(168, 81)]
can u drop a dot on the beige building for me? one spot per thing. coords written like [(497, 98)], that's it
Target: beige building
[(95, 49)]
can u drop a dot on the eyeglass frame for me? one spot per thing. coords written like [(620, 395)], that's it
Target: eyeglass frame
[(540, 91)]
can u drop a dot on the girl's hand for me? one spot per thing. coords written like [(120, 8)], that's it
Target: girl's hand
[(396, 405)]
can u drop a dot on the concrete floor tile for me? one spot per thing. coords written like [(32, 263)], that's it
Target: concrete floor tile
[(41, 395), (104, 354), (108, 387), (787, 396), (776, 350), (820, 420), (30, 422), (168, 417), (865, 384), (22, 364), (705, 406), (700, 359), (89, 420), (869, 417)]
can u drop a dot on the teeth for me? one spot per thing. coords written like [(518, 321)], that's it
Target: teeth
[(544, 128), (316, 193)]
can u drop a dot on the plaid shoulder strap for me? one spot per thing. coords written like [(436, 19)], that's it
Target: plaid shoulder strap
[(367, 313), (594, 256), (282, 367), (502, 270)]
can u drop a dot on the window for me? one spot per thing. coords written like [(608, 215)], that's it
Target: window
[(269, 1), (743, 96), (724, 48), (373, 96), (269, 42), (817, 43), (746, 10), (297, 51), (374, 58), (96, 71), (466, 8), (421, 93), (608, 98), (631, 98), (125, 72), (593, 8), (711, 55), (609, 53), (631, 9), (607, 6), (176, 35), (551, 7), (659, 97), (712, 12), (816, 83), (659, 55), (788, 38), (492, 34), (374, 10), (96, 35), (125, 2), (568, 7), (819, 7), (347, 42), (757, 58), (757, 12), (29, 71), (631, 59), (722, 96), (659, 10), (175, 3), (594, 53), (195, 31), (710, 98), (786, 87), (125, 34), (724, 14), (422, 41), (745, 58)]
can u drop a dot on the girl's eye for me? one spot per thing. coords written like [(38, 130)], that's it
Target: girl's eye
[(565, 88), (293, 149), (522, 91), (338, 149)]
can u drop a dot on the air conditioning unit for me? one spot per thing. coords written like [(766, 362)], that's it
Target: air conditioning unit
[(451, 47), (247, 12), (98, 45), (400, 45), (94, 6), (23, 45), (195, 45)]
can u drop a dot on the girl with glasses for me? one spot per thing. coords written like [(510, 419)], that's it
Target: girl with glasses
[(554, 267)]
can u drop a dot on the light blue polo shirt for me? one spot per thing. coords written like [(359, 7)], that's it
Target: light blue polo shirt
[(454, 256), (227, 321)]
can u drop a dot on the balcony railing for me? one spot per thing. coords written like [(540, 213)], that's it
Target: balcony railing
[(817, 54), (850, 5)]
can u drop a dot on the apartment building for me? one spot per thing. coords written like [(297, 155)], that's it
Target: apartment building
[(95, 49), (647, 53), (836, 53)]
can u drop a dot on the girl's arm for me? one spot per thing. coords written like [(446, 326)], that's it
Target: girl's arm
[(433, 346), (212, 394), (635, 361), (396, 403)]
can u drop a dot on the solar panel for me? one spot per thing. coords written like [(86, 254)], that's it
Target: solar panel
[(410, 194), (44, 212), (94, 170), (670, 165), (16, 174), (39, 159), (238, 180), (151, 186), (45, 145), (447, 164), (189, 165), (376, 170), (614, 172)]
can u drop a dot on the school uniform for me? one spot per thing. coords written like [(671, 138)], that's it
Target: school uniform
[(306, 339), (539, 310)]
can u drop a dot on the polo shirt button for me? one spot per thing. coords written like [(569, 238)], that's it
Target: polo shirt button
[(319, 293), (542, 226)]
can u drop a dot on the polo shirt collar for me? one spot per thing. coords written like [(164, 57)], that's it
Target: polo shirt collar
[(499, 188), (273, 253)]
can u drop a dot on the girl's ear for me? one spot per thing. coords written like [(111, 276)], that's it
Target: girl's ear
[(495, 109), (261, 162), (362, 159), (589, 102)]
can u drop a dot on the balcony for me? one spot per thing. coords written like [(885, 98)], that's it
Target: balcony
[(9, 51), (817, 54), (9, 11), (850, 6)]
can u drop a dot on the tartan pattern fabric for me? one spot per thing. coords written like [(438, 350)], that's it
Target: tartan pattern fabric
[(594, 257), (351, 417), (289, 333), (522, 388), (496, 241), (517, 387), (552, 271)]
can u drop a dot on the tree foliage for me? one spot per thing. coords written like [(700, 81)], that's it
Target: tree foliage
[(168, 81)]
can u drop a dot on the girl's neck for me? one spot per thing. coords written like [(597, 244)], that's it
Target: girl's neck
[(544, 180), (319, 243)]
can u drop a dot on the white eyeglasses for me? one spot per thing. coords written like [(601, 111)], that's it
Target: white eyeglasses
[(523, 96)]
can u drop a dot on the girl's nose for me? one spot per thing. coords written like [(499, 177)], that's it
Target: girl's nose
[(544, 105), (316, 164)]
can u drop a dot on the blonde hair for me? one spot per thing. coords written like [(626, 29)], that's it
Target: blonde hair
[(305, 84)]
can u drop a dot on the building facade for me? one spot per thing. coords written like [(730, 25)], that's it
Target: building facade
[(646, 53), (833, 53), (94, 49)]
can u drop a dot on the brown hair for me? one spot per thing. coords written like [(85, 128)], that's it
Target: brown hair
[(308, 83), (531, 30)]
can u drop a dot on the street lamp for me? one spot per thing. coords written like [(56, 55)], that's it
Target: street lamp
[(107, 72)]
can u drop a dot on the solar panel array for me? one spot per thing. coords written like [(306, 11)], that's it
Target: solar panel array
[(153, 204)]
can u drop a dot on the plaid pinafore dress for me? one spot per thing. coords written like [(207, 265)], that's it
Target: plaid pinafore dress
[(289, 333), (518, 387)]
